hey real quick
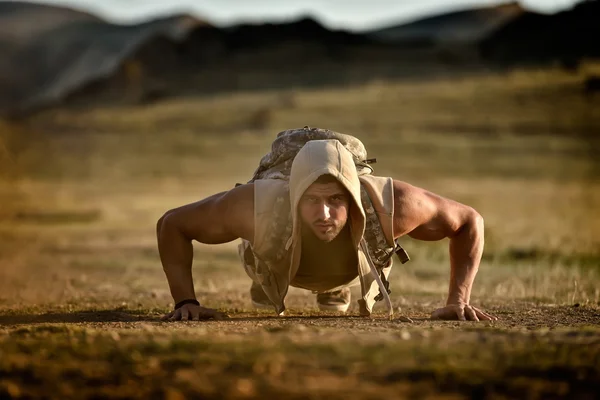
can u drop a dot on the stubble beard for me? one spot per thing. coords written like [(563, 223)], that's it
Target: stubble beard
[(326, 235)]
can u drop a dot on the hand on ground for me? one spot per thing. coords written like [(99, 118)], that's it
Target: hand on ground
[(194, 313), (462, 312)]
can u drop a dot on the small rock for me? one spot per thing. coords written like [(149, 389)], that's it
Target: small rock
[(404, 318), (300, 328), (244, 388), (275, 329), (543, 331), (174, 394), (12, 389)]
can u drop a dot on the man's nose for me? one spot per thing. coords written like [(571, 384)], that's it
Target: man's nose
[(325, 212)]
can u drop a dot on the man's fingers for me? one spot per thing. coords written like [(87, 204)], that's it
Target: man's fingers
[(176, 315), (194, 313), (480, 312), (471, 314), (185, 313), (435, 314), (484, 315), (462, 313), (220, 315), (208, 313)]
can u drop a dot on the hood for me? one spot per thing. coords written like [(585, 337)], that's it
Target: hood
[(320, 157)]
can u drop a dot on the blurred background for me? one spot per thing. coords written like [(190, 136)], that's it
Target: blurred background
[(112, 113)]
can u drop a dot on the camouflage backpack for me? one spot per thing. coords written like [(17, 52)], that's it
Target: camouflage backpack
[(277, 164)]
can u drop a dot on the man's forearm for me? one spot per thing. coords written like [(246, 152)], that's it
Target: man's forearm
[(176, 254), (466, 249)]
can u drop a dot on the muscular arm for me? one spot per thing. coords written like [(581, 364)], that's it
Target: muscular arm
[(426, 216), (220, 218)]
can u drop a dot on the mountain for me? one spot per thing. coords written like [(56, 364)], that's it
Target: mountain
[(47, 52), (466, 26), (21, 21), (566, 37), (55, 56), (80, 59)]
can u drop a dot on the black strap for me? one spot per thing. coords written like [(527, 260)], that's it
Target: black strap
[(184, 302), (386, 285)]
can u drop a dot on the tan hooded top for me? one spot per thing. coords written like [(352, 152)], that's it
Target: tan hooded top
[(322, 157), (316, 158)]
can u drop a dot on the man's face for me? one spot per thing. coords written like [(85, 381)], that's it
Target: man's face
[(323, 209)]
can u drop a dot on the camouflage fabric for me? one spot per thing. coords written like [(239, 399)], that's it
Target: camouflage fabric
[(280, 228), (256, 268), (260, 271), (278, 163), (379, 249)]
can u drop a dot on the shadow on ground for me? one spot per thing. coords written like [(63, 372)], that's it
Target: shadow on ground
[(143, 316), (521, 315), (77, 317)]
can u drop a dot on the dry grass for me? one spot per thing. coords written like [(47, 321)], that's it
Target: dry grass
[(114, 171), (80, 193)]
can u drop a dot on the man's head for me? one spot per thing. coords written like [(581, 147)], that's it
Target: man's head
[(325, 192), (324, 208)]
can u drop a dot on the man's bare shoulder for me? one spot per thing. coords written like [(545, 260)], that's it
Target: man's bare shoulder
[(242, 194), (415, 207), (408, 194), (236, 208), (405, 192), (401, 187)]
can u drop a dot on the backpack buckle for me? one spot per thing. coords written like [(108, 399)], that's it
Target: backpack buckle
[(401, 253), (386, 284), (397, 250)]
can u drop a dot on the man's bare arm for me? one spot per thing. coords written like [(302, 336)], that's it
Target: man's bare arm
[(426, 216), (220, 218)]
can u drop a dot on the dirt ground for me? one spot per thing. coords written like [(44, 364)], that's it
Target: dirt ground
[(533, 351)]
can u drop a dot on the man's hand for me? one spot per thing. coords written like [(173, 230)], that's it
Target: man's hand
[(462, 312), (194, 313)]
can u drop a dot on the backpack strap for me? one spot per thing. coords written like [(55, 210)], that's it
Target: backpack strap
[(379, 249)]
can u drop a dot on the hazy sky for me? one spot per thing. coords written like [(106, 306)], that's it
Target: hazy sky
[(346, 14)]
